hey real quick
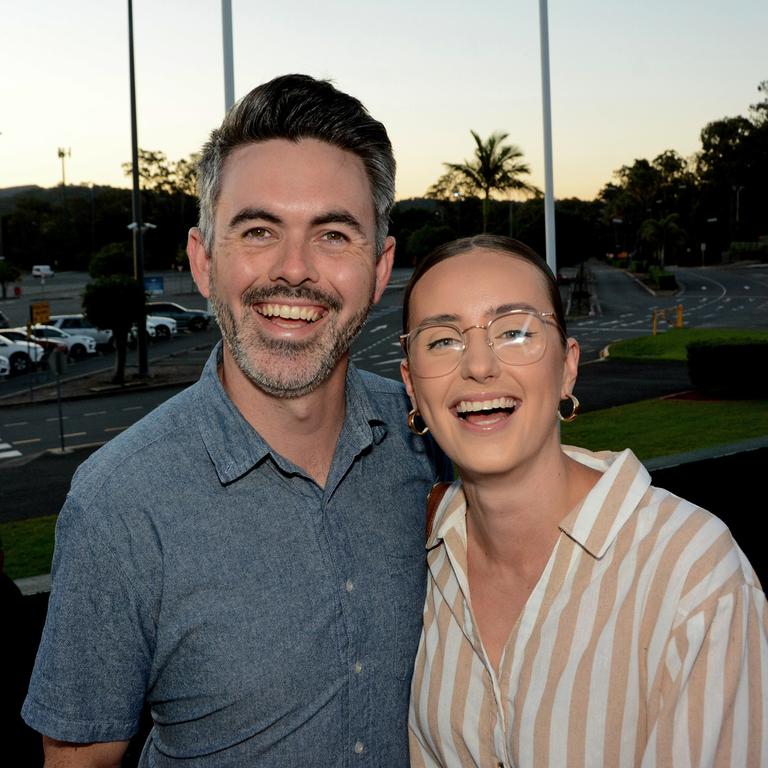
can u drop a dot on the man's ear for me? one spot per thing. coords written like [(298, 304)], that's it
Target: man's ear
[(570, 367), (199, 261), (384, 268)]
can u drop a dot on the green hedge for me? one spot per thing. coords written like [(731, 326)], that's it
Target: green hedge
[(740, 251), (663, 280), (729, 369)]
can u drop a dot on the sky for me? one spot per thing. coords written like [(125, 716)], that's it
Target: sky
[(628, 79)]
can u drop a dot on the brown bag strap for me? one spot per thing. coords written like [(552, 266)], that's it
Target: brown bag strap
[(434, 498)]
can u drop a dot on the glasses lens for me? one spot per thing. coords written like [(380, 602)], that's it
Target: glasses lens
[(435, 350), (518, 338)]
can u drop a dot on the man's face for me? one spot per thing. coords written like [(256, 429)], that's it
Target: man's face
[(293, 272)]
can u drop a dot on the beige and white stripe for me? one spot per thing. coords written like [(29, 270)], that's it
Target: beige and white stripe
[(644, 643)]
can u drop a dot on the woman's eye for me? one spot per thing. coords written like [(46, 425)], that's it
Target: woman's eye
[(446, 342)]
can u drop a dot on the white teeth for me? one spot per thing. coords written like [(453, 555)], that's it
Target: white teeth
[(289, 312), (472, 406)]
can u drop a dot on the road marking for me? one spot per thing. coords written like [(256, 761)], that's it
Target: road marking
[(115, 429), (27, 441), (95, 413), (377, 329), (16, 424), (75, 434), (10, 454), (133, 408), (4, 445), (56, 418)]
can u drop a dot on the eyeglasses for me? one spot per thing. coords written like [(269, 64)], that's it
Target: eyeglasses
[(518, 337)]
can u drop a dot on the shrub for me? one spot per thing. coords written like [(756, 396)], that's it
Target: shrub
[(741, 251), (663, 280), (729, 369)]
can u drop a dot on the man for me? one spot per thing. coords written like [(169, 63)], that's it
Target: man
[(249, 559)]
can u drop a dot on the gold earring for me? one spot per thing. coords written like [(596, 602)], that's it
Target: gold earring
[(412, 423), (574, 409)]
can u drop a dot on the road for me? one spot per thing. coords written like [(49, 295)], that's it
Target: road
[(711, 297)]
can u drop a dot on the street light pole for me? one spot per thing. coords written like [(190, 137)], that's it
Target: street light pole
[(138, 230), (549, 197), (229, 67)]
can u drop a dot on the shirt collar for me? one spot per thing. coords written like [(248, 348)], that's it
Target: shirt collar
[(594, 523), (235, 447)]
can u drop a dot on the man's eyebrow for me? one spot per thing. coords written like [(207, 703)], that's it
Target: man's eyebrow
[(339, 217), (249, 214)]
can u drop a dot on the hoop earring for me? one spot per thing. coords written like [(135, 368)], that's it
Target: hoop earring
[(574, 409), (412, 423)]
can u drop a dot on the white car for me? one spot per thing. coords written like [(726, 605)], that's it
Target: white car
[(22, 355), (5, 366), (158, 329), (77, 324), (78, 346)]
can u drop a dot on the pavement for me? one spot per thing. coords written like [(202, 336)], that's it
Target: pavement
[(602, 384)]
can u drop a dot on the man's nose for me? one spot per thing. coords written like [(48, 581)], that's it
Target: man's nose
[(479, 361), (293, 263)]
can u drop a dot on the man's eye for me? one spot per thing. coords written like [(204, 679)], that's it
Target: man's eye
[(258, 233), (334, 237)]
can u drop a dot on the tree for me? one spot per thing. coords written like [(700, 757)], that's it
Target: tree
[(496, 167), (116, 303), (662, 234), (8, 274), (112, 259)]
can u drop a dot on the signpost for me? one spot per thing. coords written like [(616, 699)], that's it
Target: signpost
[(39, 312)]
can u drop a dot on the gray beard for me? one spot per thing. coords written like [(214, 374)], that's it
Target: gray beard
[(321, 355)]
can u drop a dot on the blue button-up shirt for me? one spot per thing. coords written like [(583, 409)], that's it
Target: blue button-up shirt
[(266, 620)]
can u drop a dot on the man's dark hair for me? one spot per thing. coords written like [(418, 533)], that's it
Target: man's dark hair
[(296, 107)]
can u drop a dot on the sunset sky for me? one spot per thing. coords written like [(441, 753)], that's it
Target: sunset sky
[(629, 80)]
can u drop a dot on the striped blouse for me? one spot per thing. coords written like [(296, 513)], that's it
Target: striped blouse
[(644, 643)]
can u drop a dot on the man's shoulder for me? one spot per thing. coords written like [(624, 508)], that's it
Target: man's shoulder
[(381, 385), (149, 446)]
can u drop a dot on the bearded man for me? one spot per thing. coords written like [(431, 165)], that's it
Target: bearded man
[(249, 558)]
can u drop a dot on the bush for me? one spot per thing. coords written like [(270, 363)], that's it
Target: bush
[(742, 251), (112, 259), (663, 280), (729, 369)]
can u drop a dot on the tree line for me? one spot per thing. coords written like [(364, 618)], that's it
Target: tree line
[(669, 209)]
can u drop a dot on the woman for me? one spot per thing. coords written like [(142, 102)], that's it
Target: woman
[(575, 615)]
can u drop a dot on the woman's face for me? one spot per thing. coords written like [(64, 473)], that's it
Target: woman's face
[(488, 416)]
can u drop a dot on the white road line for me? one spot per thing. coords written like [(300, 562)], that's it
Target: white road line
[(4, 445), (114, 429), (10, 454), (75, 434), (56, 418), (16, 424), (377, 329), (28, 441), (133, 408), (95, 413)]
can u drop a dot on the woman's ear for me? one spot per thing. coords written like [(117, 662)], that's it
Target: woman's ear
[(405, 372), (570, 367)]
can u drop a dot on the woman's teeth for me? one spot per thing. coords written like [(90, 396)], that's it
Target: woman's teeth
[(473, 406)]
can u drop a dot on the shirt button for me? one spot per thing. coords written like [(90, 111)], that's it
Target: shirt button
[(358, 667), (359, 747), (349, 585)]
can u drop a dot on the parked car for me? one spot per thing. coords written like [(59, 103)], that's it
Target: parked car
[(22, 355), (77, 324), (49, 345), (158, 329), (42, 270), (78, 346), (195, 319), (5, 366)]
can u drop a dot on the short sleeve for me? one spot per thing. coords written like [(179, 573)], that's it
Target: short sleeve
[(91, 674)]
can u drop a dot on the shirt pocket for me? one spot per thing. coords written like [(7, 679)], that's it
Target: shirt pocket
[(408, 574)]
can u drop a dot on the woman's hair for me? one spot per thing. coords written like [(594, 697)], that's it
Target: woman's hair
[(497, 243)]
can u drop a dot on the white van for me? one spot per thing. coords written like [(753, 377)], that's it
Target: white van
[(42, 270)]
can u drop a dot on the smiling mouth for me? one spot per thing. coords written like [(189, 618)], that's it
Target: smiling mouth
[(290, 312), (486, 412)]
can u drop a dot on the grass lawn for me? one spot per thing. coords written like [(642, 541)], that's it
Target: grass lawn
[(671, 345), (662, 427), (28, 546)]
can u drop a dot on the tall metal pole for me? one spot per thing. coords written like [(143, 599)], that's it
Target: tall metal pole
[(137, 227), (549, 193), (229, 67)]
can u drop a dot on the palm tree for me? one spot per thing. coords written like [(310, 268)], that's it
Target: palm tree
[(661, 234), (496, 167)]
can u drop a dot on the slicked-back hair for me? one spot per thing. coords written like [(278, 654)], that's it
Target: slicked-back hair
[(499, 244), (296, 107)]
